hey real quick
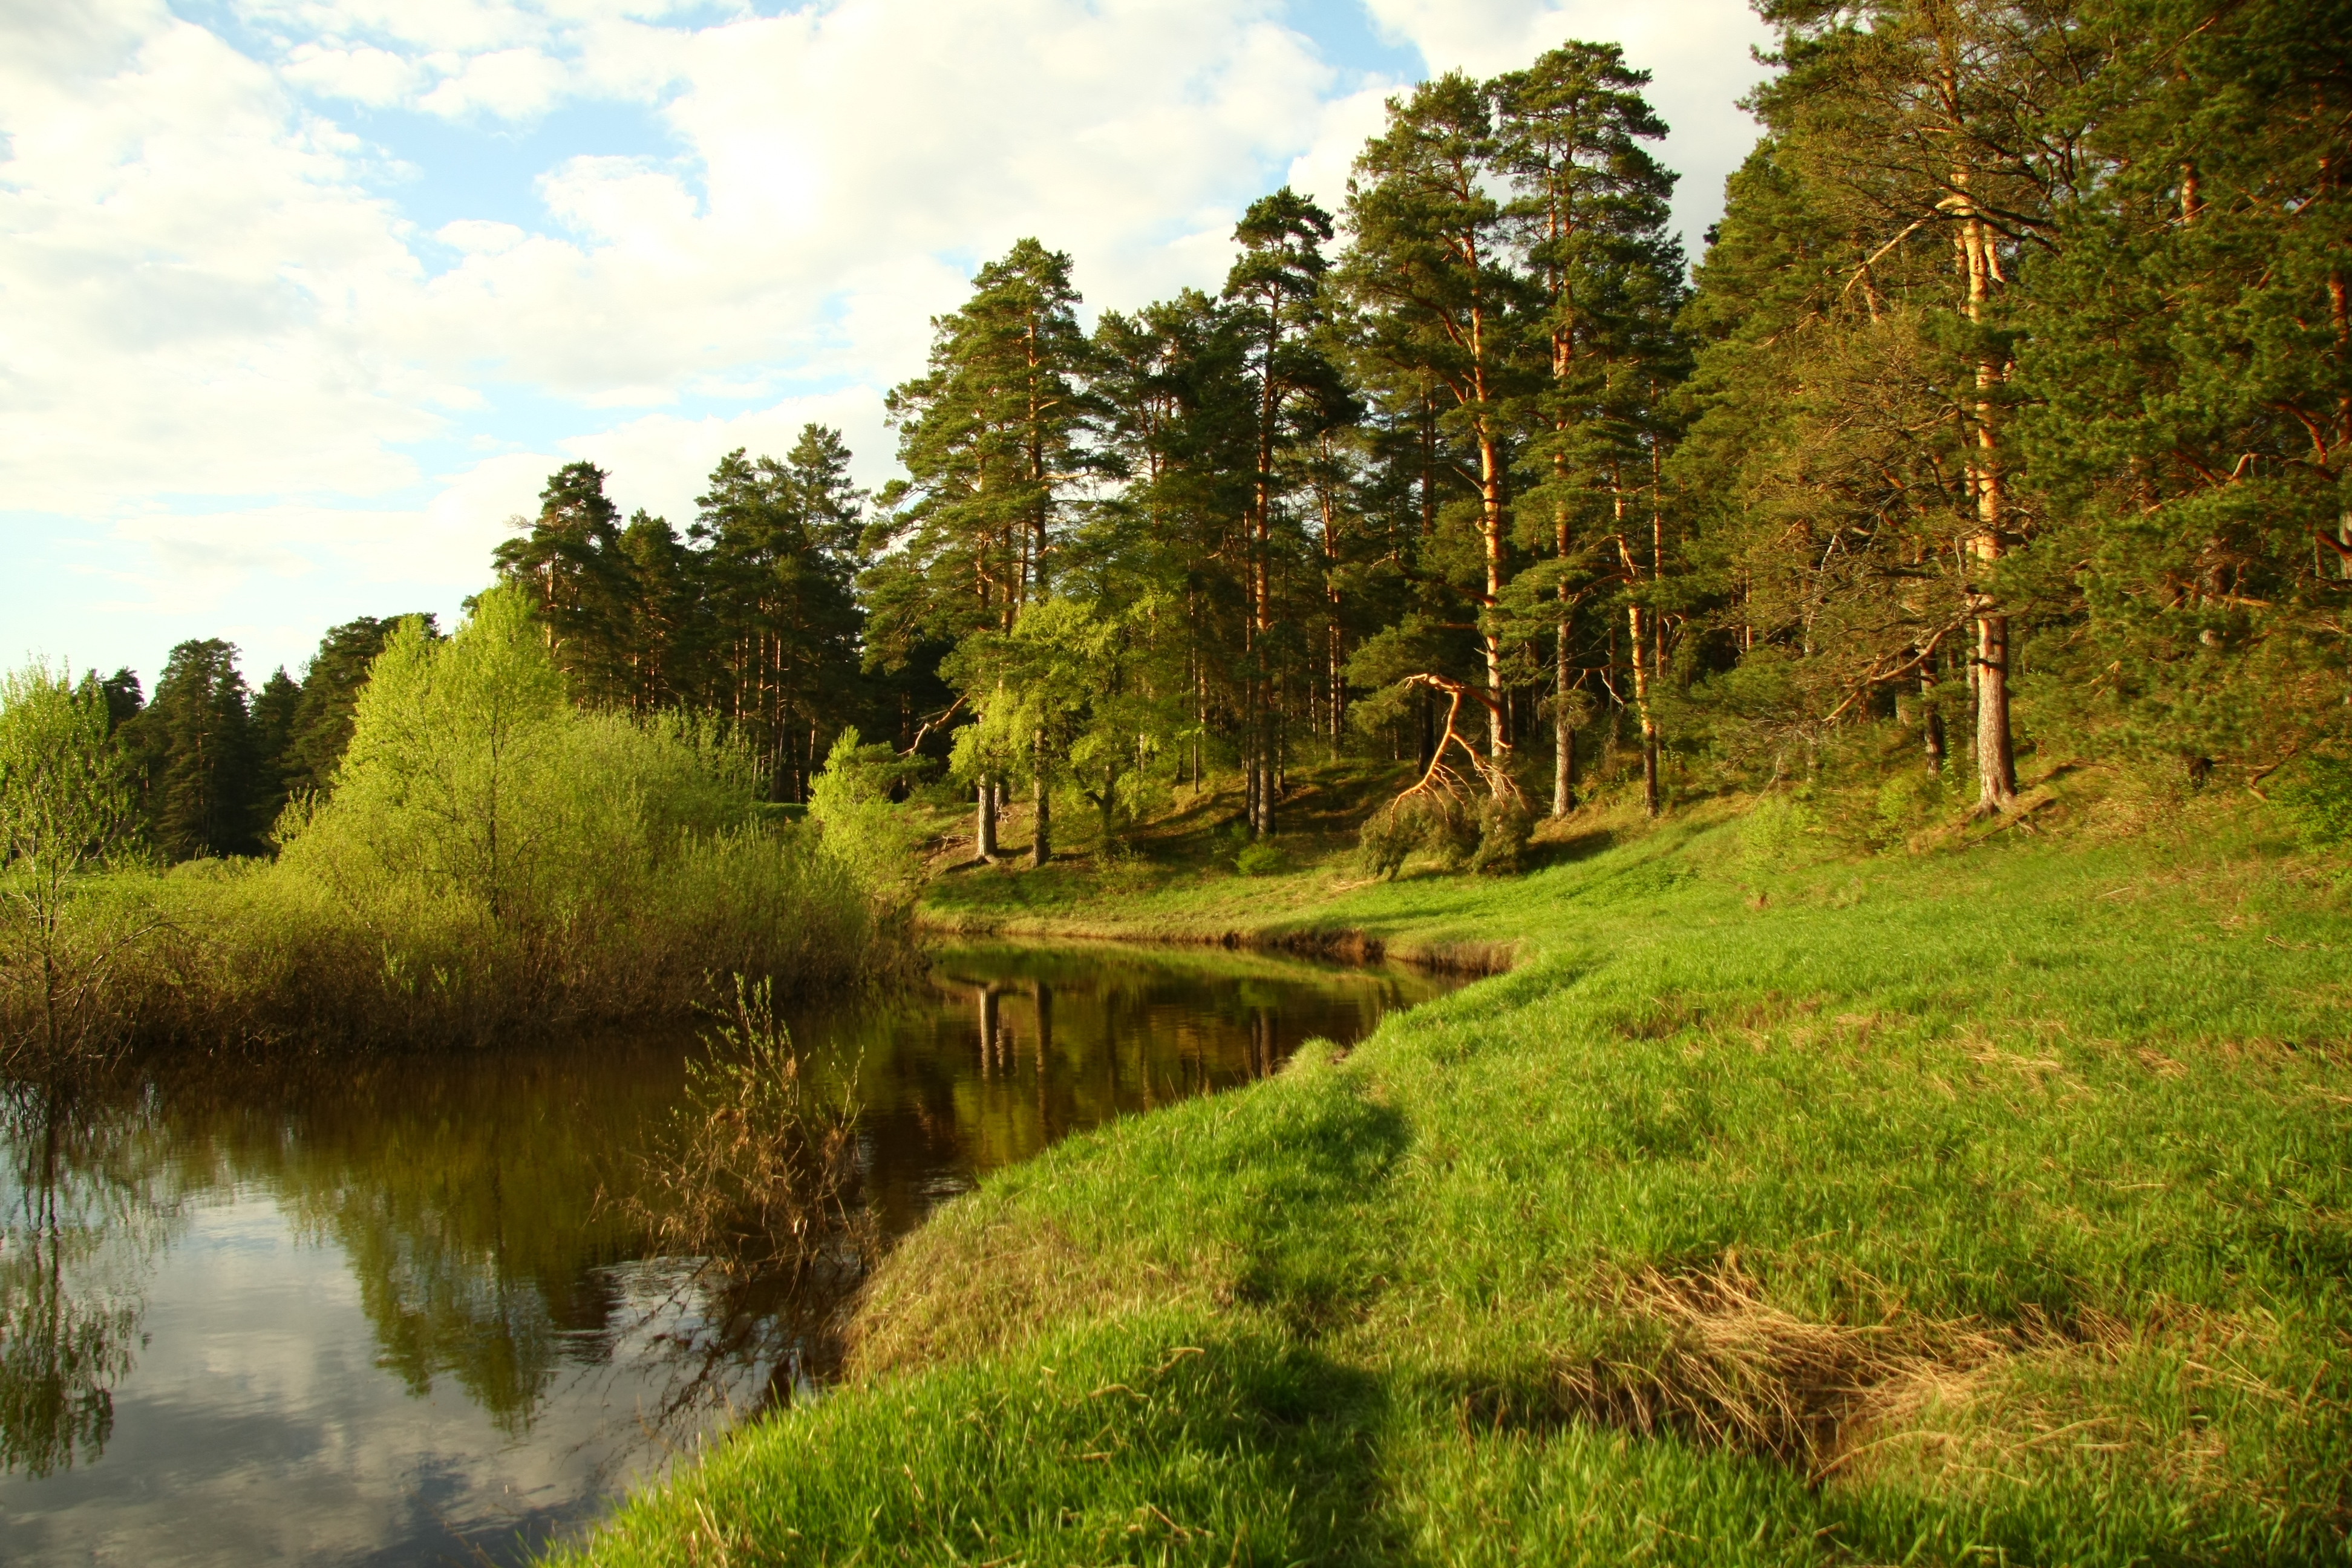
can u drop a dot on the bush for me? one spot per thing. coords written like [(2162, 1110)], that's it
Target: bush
[(1906, 801), (1774, 836), (493, 860), (1504, 828), (1263, 858), (2320, 797), (878, 842)]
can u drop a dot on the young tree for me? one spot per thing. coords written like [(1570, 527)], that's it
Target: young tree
[(331, 685), (66, 810), (449, 739)]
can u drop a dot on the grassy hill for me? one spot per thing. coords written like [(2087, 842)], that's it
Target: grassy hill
[(1985, 1205)]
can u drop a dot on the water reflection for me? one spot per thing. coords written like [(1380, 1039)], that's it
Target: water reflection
[(83, 1212), (398, 1310)]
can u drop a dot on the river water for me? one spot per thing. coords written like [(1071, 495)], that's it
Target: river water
[(395, 1312)]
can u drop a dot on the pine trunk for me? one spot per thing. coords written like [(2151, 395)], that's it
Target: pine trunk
[(1563, 769), (1041, 825), (1996, 763)]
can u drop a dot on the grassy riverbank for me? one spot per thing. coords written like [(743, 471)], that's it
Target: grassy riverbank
[(1980, 1205)]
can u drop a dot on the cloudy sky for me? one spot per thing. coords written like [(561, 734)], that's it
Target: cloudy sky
[(300, 301)]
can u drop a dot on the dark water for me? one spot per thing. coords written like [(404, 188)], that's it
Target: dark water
[(392, 1313)]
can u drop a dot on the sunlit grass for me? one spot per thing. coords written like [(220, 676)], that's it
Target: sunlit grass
[(1972, 1207)]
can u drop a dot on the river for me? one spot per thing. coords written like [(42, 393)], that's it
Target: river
[(404, 1310)]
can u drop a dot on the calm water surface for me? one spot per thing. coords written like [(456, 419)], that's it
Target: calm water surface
[(378, 1312)]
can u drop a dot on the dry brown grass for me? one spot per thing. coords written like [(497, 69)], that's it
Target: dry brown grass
[(1722, 1365), (1953, 1407)]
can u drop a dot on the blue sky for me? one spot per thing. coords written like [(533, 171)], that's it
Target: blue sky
[(301, 299)]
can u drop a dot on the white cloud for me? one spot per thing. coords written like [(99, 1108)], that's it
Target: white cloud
[(220, 299), (371, 76), (480, 237), (512, 84), (1321, 172), (1696, 50), (191, 278)]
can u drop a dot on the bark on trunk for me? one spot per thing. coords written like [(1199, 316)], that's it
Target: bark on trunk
[(1996, 763), (1041, 826), (984, 821), (1563, 767), (1490, 507), (1932, 719)]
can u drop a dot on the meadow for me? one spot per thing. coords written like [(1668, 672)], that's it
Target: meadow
[(1778, 1205)]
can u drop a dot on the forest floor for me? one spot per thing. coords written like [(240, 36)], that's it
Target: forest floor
[(1987, 1204)]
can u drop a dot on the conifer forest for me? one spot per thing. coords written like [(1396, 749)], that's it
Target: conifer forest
[(2007, 410)]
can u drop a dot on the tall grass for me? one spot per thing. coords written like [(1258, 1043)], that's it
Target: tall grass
[(490, 859)]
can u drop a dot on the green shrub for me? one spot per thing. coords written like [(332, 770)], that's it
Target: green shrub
[(1263, 858), (1774, 836), (493, 859), (1504, 828), (877, 841), (2320, 797), (1907, 801)]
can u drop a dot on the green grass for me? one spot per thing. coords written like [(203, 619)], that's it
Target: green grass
[(1978, 1207)]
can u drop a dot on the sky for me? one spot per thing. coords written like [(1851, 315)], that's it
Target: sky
[(301, 300)]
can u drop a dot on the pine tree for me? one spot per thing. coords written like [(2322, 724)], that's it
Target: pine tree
[(1277, 288), (275, 708), (2185, 381), (1431, 269), (1923, 123), (1589, 207), (784, 625), (570, 562), (996, 439), (194, 747)]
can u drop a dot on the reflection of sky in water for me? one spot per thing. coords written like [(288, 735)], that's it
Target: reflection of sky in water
[(375, 1312), (259, 1390)]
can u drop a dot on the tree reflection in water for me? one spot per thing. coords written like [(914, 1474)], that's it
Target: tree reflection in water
[(498, 1210), (85, 1209)]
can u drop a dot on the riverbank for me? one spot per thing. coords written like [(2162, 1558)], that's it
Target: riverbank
[(1920, 1208)]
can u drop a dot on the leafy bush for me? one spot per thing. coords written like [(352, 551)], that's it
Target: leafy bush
[(1504, 827), (878, 842), (1263, 858), (1774, 836), (494, 858), (2320, 797)]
